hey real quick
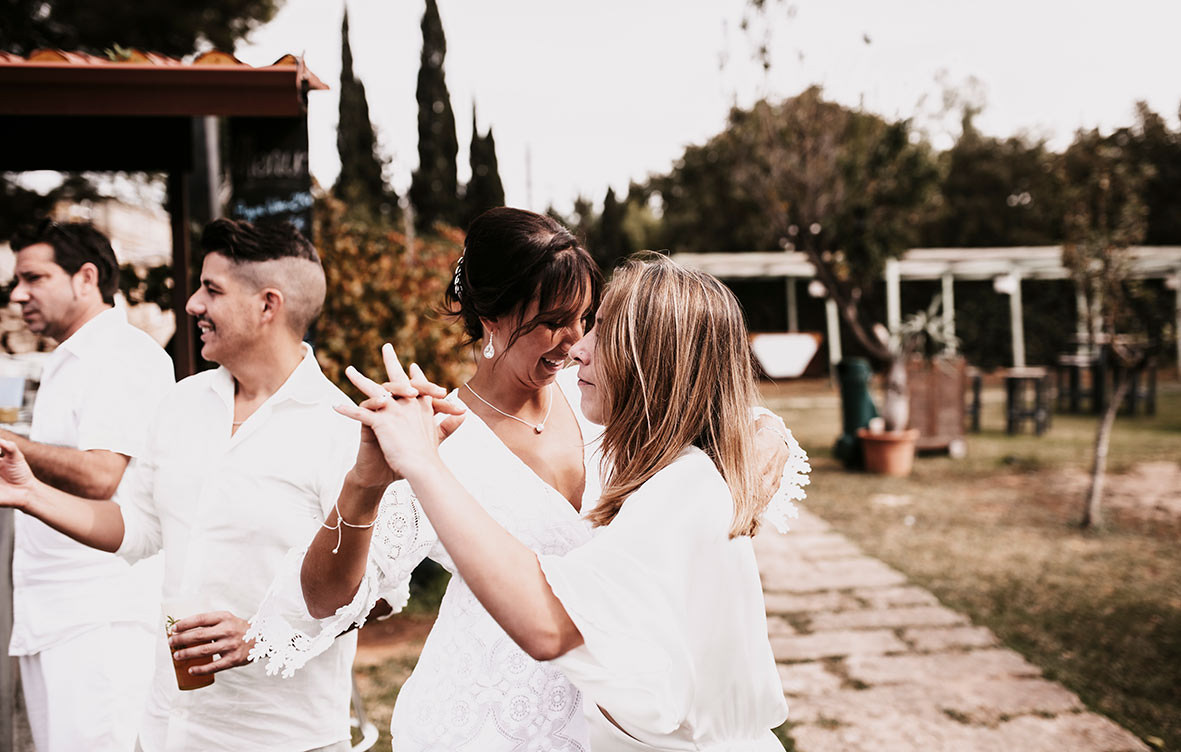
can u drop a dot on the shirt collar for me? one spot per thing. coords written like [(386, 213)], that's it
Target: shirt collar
[(305, 385), (89, 337)]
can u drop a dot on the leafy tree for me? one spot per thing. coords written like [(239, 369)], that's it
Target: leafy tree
[(485, 190), (608, 243), (174, 28), (996, 192), (582, 221), (846, 187), (705, 205), (21, 205), (1105, 215), (434, 190), (1152, 144), (641, 225), (360, 184), (397, 299)]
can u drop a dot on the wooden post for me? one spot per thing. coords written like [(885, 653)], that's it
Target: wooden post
[(184, 343), (793, 308)]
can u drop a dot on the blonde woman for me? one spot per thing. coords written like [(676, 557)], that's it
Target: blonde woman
[(659, 618)]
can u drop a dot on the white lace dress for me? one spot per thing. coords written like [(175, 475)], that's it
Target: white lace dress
[(473, 689)]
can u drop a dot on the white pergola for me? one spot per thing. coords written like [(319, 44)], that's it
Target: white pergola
[(1006, 267)]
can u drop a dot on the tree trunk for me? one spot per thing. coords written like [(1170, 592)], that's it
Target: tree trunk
[(1092, 512)]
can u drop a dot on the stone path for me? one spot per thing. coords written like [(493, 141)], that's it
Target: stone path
[(871, 662)]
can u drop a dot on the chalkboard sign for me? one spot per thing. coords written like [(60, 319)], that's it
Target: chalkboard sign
[(269, 171)]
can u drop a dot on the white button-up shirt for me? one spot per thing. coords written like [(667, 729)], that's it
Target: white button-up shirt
[(226, 509), (99, 390)]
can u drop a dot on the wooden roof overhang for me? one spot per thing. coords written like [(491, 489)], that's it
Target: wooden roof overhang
[(70, 111)]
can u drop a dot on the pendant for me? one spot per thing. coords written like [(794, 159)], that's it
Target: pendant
[(539, 428)]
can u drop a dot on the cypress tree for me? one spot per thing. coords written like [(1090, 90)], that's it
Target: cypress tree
[(485, 189), (360, 183), (434, 188), (610, 240)]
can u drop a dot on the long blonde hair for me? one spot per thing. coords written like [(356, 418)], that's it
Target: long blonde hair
[(674, 366)]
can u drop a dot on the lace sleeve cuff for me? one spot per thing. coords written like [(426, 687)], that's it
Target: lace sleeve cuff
[(791, 485), (286, 636)]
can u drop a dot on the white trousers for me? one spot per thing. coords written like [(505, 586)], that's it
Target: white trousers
[(88, 693)]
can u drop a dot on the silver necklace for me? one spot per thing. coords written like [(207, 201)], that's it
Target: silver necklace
[(537, 427)]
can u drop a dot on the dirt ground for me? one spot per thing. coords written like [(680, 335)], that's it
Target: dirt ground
[(1146, 497), (399, 637)]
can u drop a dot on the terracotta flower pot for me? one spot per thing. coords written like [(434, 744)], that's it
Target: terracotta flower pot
[(888, 452)]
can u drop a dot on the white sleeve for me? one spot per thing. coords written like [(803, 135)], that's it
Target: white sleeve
[(120, 405), (782, 506), (142, 533), (287, 636), (336, 466), (142, 536), (627, 591)]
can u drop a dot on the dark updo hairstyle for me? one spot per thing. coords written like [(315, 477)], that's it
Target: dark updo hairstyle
[(512, 256), (75, 244)]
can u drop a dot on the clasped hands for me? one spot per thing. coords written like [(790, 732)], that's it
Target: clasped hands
[(400, 431)]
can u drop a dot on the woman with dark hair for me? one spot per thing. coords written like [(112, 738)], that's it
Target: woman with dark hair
[(524, 290), (659, 618)]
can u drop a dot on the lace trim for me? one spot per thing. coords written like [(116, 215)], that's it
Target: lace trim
[(286, 646), (782, 506), (287, 637)]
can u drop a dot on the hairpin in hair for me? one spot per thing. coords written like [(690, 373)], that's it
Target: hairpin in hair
[(455, 283)]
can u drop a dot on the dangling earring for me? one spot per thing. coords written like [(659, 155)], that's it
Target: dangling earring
[(489, 350)]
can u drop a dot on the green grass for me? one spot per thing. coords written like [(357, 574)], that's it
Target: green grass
[(995, 535)]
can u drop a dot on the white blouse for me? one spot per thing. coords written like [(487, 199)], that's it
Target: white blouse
[(671, 610), (473, 689)]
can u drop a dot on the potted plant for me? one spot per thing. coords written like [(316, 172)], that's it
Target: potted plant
[(889, 441)]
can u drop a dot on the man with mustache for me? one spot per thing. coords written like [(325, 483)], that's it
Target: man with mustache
[(75, 609), (244, 463)]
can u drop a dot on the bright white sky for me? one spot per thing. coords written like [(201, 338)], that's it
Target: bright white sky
[(600, 92)]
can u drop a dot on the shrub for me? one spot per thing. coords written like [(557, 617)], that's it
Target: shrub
[(381, 291)]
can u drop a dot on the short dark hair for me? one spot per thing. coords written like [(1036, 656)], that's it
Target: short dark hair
[(272, 254), (241, 241), (512, 256), (74, 245)]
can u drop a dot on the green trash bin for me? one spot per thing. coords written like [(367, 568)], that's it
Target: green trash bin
[(857, 409)]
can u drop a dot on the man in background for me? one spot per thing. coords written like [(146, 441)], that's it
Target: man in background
[(243, 464), (83, 619)]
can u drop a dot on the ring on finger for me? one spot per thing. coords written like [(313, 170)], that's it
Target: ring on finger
[(382, 398)]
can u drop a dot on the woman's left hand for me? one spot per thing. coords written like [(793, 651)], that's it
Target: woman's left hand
[(401, 415)]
